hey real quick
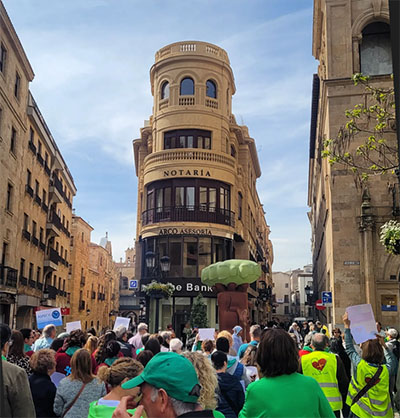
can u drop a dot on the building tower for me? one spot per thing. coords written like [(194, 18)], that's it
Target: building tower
[(197, 171), (349, 37)]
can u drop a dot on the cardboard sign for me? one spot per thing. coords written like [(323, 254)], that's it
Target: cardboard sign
[(71, 326), (206, 334), (122, 321), (48, 316), (362, 322)]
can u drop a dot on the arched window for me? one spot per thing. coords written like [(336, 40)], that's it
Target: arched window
[(233, 151), (211, 89), (187, 87), (165, 90), (375, 49)]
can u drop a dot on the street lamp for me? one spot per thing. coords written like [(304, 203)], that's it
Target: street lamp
[(157, 269), (309, 293)]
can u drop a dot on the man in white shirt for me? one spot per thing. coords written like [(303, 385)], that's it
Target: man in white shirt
[(136, 340)]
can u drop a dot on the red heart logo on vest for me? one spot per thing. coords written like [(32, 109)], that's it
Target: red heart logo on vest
[(367, 379), (319, 365)]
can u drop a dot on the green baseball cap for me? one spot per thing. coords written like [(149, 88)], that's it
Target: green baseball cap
[(171, 372)]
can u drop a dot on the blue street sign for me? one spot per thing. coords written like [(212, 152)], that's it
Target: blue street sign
[(133, 284), (326, 298)]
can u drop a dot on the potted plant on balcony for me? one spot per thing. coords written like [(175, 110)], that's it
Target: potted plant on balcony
[(390, 237), (160, 290)]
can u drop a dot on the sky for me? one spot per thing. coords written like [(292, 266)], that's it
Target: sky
[(92, 59)]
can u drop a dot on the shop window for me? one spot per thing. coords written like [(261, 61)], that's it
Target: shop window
[(211, 89), (165, 90), (375, 49), (175, 257), (187, 87), (187, 138)]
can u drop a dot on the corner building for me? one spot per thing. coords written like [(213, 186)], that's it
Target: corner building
[(197, 171)]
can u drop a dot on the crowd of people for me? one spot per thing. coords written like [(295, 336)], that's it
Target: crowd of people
[(300, 371)]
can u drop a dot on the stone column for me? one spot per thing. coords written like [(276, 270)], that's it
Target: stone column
[(367, 228)]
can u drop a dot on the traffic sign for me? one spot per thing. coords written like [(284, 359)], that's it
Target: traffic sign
[(327, 298), (319, 305), (133, 284)]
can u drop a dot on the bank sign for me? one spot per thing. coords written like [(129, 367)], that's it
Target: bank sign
[(188, 287)]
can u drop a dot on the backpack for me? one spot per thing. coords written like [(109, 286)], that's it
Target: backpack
[(239, 371)]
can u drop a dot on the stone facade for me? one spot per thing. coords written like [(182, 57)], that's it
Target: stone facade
[(348, 258), (282, 296), (197, 171), (94, 279), (36, 190)]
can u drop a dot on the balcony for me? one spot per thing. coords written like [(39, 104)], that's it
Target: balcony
[(51, 262), (40, 159), (47, 169), (45, 208), (52, 291), (32, 283), (54, 223), (23, 281), (40, 286), (32, 147), (26, 234), (82, 280), (38, 200), (29, 190), (8, 276), (35, 241), (81, 305), (42, 246), (188, 214), (56, 189)]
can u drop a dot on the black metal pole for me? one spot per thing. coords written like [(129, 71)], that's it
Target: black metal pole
[(394, 11), (157, 314)]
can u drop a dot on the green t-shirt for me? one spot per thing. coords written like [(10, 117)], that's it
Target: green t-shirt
[(308, 398), (103, 411)]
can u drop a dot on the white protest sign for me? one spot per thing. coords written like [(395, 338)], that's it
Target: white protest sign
[(362, 322), (121, 321), (71, 326), (48, 316), (206, 334), (56, 377)]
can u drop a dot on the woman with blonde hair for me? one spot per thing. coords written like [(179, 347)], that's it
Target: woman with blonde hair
[(207, 378), (120, 371), (76, 392), (91, 344)]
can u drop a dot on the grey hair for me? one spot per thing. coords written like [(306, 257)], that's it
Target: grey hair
[(120, 331), (393, 332), (319, 341), (179, 407), (166, 335), (142, 326), (48, 330), (175, 344)]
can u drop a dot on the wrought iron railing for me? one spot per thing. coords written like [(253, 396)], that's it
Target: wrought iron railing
[(8, 276)]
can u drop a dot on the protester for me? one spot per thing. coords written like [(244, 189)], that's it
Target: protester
[(228, 336), (166, 338), (98, 356), (393, 345), (281, 392), (376, 401), (176, 345), (249, 361), (255, 334), (171, 330), (337, 347), (122, 370), (17, 395), (381, 332), (29, 338), (207, 377), (76, 340), (122, 338), (231, 395), (16, 354), (306, 349), (186, 332), (76, 392), (144, 357), (207, 347), (110, 355), (164, 392), (304, 330), (57, 344), (43, 363), (91, 331), (91, 344), (234, 367), (295, 330), (136, 341), (237, 339), (48, 335), (328, 370), (153, 345)]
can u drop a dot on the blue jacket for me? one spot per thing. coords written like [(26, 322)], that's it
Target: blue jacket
[(230, 395)]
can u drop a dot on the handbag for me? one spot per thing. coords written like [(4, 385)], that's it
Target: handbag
[(368, 386), (73, 401)]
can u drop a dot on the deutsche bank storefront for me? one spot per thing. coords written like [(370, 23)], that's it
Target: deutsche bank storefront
[(189, 251)]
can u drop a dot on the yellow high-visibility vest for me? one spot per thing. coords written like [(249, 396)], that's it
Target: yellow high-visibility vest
[(322, 367), (376, 402)]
